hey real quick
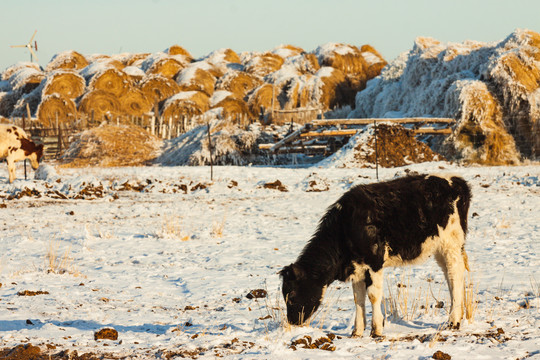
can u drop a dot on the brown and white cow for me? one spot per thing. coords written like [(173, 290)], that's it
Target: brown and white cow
[(16, 146), (394, 223)]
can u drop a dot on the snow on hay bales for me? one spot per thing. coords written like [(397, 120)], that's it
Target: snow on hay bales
[(264, 64), (262, 98), (112, 145), (67, 60), (110, 80), (434, 79), (67, 83), (197, 78), (179, 50), (56, 107), (240, 83), (26, 79), (166, 65)]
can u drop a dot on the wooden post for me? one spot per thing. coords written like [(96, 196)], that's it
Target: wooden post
[(210, 148), (376, 152)]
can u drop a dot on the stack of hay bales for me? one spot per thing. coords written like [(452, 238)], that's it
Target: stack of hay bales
[(491, 89)]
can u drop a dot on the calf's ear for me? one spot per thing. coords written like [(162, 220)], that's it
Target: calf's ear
[(292, 272)]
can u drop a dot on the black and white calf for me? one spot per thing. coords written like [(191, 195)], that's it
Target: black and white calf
[(395, 223), (15, 146)]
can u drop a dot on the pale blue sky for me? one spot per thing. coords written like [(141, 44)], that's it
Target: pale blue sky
[(201, 26)]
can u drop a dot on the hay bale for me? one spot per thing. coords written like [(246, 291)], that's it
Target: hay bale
[(106, 61), (26, 79), (197, 78), (480, 135), (112, 145), (264, 64), (133, 59), (374, 60), (331, 88), (67, 60), (263, 98), (55, 107), (185, 104), (135, 74), (102, 104), (8, 72), (233, 108), (240, 83), (67, 83), (135, 103), (306, 63), (110, 80), (286, 51), (164, 65), (347, 58), (178, 50), (158, 88)]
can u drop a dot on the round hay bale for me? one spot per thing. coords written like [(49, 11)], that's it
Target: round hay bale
[(233, 108), (221, 56), (111, 80), (178, 50), (286, 51), (306, 63), (240, 83), (67, 83), (262, 98), (196, 78), (135, 103), (105, 61), (6, 74), (112, 145), (347, 58), (67, 60), (164, 65), (136, 59), (185, 104), (26, 79), (158, 88), (103, 105), (135, 73), (331, 91), (480, 135), (55, 107), (374, 60), (264, 64)]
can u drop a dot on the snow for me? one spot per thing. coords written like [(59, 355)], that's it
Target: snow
[(169, 263)]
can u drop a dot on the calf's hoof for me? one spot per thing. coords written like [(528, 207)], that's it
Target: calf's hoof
[(376, 334), (453, 326)]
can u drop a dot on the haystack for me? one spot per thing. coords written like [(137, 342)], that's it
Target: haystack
[(185, 104), (112, 145), (110, 80), (162, 64), (287, 50), (135, 103), (264, 64), (26, 79), (100, 104), (135, 74), (158, 88), (240, 83), (67, 60), (67, 83), (179, 50), (196, 78), (263, 98), (374, 60), (56, 108), (480, 135)]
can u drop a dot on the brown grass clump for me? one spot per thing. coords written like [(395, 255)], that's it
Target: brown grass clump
[(238, 82), (233, 108), (112, 145), (110, 80), (53, 107), (158, 87), (66, 83), (185, 104), (135, 103), (196, 79), (67, 60), (179, 50), (260, 99), (480, 135), (396, 146), (264, 64), (101, 104)]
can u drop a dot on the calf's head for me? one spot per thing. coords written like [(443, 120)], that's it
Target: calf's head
[(32, 152), (302, 293)]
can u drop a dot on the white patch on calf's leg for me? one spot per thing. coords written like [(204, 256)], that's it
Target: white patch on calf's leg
[(375, 294), (359, 291)]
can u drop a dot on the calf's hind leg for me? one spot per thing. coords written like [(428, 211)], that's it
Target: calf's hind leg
[(454, 268), (359, 291), (375, 294)]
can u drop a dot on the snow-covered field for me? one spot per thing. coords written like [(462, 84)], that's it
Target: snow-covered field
[(166, 257)]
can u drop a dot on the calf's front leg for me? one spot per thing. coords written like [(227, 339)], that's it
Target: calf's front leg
[(359, 291), (375, 294)]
